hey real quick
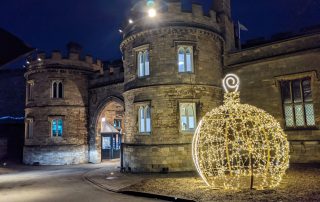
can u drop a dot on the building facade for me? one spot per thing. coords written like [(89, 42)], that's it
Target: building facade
[(171, 76)]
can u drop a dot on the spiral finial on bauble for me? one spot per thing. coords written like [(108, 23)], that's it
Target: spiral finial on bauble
[(231, 83)]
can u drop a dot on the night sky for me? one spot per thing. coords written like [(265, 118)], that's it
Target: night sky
[(50, 24)]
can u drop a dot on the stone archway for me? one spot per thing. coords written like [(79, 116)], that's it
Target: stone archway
[(108, 117)]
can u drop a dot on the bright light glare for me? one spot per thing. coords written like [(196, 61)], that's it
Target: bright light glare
[(103, 119), (130, 21), (152, 12)]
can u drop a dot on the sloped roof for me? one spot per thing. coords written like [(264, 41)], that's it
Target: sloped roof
[(11, 47), (108, 128)]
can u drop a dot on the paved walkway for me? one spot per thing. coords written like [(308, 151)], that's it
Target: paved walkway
[(110, 178), (20, 183)]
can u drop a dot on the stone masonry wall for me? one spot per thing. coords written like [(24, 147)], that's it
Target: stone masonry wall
[(72, 108), (176, 158), (55, 155), (166, 146), (99, 98), (260, 87)]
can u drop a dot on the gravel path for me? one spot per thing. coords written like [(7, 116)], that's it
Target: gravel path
[(302, 183)]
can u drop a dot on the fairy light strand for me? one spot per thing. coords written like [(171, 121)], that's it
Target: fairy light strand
[(236, 143)]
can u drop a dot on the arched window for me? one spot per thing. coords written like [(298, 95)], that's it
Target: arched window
[(148, 119), (146, 63), (144, 119), (185, 59), (188, 116), (189, 60), (29, 128), (143, 63), (181, 59), (60, 90), (54, 89), (57, 89)]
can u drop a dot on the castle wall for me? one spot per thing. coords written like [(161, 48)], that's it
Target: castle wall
[(262, 68), (167, 147), (99, 98), (42, 146)]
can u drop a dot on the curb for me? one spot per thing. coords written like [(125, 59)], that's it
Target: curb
[(133, 193)]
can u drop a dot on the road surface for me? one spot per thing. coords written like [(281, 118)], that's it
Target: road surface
[(58, 183)]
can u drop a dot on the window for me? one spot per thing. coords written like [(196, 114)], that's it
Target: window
[(56, 127), (30, 85), (144, 119), (185, 59), (143, 63), (187, 116), (57, 89), (29, 128), (117, 123), (297, 103)]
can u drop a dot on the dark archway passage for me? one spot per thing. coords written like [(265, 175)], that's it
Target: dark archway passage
[(107, 130)]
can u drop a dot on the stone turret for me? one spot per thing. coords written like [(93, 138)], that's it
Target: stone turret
[(181, 70), (56, 108), (223, 10)]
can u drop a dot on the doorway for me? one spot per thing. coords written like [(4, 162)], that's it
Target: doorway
[(110, 145)]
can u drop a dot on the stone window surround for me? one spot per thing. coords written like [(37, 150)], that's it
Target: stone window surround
[(28, 121), (52, 80), (178, 44), (196, 103), (136, 50), (137, 106), (314, 77), (29, 94), (50, 119)]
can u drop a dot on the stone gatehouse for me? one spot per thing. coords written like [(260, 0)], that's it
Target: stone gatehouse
[(78, 111)]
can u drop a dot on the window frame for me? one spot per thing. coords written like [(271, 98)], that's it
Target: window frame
[(292, 103), (57, 90), (29, 128), (56, 118), (145, 51), (185, 48), (145, 107), (30, 86), (117, 121), (188, 131)]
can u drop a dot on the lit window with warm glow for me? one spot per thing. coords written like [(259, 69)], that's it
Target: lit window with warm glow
[(144, 119), (187, 116), (57, 89), (185, 59), (143, 63), (56, 127), (297, 103)]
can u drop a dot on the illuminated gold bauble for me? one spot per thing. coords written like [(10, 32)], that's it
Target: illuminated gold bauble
[(238, 146)]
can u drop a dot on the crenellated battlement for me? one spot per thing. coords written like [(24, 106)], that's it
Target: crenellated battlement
[(71, 60), (171, 13)]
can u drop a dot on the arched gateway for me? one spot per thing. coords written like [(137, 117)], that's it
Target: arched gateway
[(106, 129)]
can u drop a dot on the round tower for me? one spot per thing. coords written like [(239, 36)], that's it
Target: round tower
[(56, 108), (173, 70)]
